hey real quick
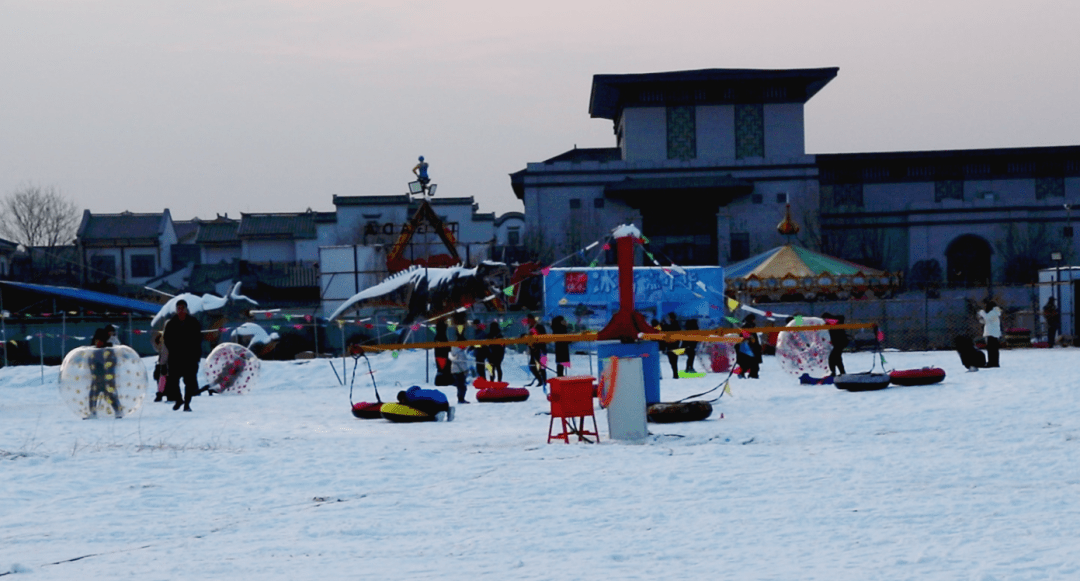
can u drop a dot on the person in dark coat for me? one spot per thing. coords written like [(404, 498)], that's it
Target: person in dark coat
[(671, 324), (429, 401), (496, 353), (691, 346), (480, 352), (839, 339), (459, 359), (972, 358), (562, 348), (537, 352), (748, 356), (1053, 321), (183, 337), (442, 355)]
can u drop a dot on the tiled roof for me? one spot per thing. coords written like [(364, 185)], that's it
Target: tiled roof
[(220, 231), (277, 275), (186, 231), (126, 226), (580, 154), (371, 200), (277, 225)]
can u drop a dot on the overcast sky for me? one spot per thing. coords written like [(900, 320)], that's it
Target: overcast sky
[(209, 107)]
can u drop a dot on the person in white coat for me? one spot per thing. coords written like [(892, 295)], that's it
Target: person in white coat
[(990, 317)]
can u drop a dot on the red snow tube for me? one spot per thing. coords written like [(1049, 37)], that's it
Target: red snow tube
[(924, 376), (367, 410), (498, 391)]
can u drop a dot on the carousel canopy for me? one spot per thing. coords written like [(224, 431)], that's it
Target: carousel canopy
[(796, 261), (789, 270)]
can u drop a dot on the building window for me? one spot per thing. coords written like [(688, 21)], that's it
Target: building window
[(757, 199), (598, 203), (842, 195), (740, 246), (749, 131), (1049, 188), (142, 266), (1067, 232), (782, 198), (948, 190), (102, 268), (513, 237), (681, 133), (575, 203)]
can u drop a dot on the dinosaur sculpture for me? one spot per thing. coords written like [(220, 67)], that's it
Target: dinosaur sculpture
[(433, 291)]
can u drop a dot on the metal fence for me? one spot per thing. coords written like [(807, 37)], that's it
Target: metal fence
[(919, 321)]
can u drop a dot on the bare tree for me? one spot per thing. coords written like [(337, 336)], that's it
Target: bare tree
[(1026, 249), (39, 218), (35, 216)]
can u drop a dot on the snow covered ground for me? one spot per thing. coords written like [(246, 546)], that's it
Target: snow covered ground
[(976, 478)]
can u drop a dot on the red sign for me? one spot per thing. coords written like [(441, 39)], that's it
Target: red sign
[(577, 283)]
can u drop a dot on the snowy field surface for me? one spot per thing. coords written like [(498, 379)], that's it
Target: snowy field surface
[(975, 478)]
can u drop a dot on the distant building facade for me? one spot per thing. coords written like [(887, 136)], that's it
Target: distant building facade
[(707, 161), (7, 257), (124, 249)]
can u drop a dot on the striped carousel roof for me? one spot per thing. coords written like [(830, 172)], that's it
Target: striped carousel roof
[(795, 261)]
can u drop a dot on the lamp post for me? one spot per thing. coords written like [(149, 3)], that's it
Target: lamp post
[(425, 189)]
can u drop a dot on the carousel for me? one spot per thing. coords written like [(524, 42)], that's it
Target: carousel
[(795, 273)]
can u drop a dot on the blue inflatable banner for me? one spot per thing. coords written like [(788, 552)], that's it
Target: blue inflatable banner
[(588, 297)]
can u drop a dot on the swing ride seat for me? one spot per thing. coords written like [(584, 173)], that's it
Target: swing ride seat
[(367, 410), (572, 398)]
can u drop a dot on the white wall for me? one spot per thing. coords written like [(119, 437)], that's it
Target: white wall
[(307, 251), (502, 231), (716, 132), (784, 131), (95, 276), (645, 134), (214, 255), (278, 251)]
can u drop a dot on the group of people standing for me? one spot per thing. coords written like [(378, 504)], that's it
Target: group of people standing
[(674, 348), (452, 363), (972, 358)]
